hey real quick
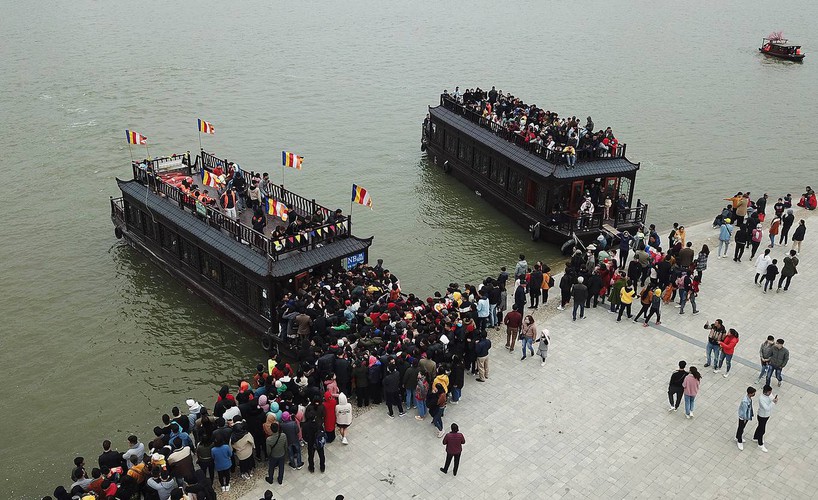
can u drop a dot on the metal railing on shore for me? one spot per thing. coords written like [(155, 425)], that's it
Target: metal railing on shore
[(553, 156)]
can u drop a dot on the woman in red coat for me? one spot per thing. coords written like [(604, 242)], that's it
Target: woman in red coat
[(728, 346), (329, 416)]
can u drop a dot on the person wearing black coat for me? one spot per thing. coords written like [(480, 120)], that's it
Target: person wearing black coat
[(309, 431), (520, 297), (360, 375), (391, 388), (343, 374), (375, 383), (534, 286), (457, 378), (594, 283), (786, 223)]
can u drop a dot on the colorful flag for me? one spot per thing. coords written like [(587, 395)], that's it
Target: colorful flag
[(360, 196), (210, 179), (206, 127), (291, 160), (135, 137), (278, 209)]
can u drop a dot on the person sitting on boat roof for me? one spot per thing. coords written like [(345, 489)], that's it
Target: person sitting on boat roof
[(570, 155)]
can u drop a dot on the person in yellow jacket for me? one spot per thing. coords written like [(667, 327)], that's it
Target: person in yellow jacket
[(626, 296)]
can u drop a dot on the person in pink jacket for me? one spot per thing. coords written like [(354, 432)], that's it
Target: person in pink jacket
[(691, 390), (728, 346)]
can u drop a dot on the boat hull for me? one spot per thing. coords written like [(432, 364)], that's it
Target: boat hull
[(786, 57)]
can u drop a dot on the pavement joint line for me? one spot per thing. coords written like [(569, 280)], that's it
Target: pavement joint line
[(736, 359)]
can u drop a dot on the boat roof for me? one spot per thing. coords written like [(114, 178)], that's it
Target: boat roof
[(216, 241), (536, 164)]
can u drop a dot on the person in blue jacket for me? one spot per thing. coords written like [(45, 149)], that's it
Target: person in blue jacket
[(223, 461)]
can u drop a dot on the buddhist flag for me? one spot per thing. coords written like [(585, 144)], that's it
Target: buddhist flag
[(135, 137), (291, 160), (277, 209), (206, 127), (360, 196), (212, 180)]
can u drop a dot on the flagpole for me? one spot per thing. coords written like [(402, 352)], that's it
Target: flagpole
[(200, 138), (130, 151), (282, 175)]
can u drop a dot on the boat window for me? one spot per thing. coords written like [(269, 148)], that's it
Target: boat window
[(542, 201), (211, 267), (148, 226), (234, 283), (451, 143), (498, 174), (256, 300), (435, 135), (464, 151), (485, 165), (134, 217), (515, 183), (170, 240), (190, 254), (625, 187)]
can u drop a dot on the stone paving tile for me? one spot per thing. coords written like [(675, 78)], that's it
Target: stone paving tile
[(593, 422)]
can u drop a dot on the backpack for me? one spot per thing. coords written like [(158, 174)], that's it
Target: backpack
[(550, 281), (320, 439), (654, 302)]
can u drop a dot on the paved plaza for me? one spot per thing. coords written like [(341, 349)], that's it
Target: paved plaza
[(593, 423)]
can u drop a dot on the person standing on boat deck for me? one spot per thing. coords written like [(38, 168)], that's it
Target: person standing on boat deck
[(229, 203), (586, 211), (786, 224), (725, 233), (798, 236)]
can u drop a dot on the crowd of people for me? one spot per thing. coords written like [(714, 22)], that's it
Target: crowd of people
[(567, 137), (358, 339), (233, 195)]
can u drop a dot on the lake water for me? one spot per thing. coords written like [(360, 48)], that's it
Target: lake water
[(96, 342)]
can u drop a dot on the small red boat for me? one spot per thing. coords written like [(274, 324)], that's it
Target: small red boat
[(776, 45)]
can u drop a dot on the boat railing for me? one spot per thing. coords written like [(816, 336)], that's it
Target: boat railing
[(628, 216), (550, 155), (572, 223), (118, 209), (303, 206), (305, 239)]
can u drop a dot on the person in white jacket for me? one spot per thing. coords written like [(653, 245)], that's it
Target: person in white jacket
[(761, 266), (343, 416)]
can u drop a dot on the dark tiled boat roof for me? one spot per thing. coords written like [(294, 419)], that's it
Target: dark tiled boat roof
[(218, 242), (536, 164)]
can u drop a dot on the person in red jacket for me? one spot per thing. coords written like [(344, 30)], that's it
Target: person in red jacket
[(329, 416), (454, 442), (728, 346)]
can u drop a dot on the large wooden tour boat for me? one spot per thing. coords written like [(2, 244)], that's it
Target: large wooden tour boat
[(536, 185), (240, 271)]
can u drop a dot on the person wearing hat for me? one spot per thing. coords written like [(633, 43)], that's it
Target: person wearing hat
[(725, 233)]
